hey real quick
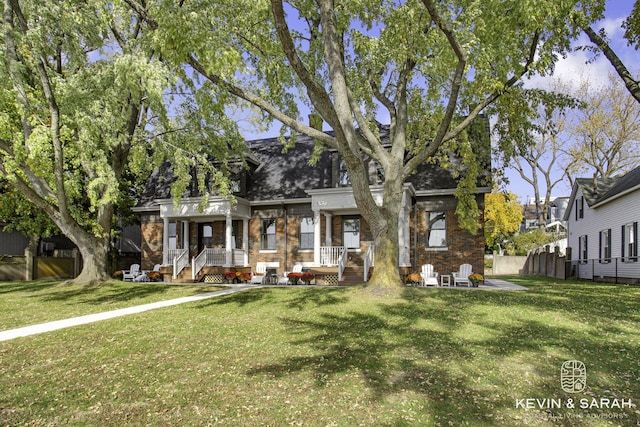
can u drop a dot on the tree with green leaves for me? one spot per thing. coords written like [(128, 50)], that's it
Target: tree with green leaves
[(503, 217), (429, 68), (83, 107)]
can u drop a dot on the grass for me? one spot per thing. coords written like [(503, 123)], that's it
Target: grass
[(28, 303), (319, 357)]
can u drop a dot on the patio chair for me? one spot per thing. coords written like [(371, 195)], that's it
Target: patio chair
[(260, 273), (131, 273), (462, 275), (429, 277)]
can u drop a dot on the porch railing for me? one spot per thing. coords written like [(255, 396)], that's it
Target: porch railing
[(180, 262), (330, 255), (368, 261), (172, 254), (212, 257), (342, 263)]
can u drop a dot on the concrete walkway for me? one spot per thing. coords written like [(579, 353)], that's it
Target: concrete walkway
[(90, 318), (498, 284)]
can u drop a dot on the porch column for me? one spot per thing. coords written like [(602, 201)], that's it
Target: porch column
[(245, 240), (328, 238), (316, 237), (165, 242), (185, 235), (227, 241)]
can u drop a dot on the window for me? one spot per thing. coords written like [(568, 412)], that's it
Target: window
[(605, 245), (351, 233), (582, 249), (436, 230), (268, 234), (306, 233), (173, 235), (343, 179), (579, 208), (630, 242)]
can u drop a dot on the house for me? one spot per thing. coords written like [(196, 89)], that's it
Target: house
[(555, 214), (602, 220), (289, 212)]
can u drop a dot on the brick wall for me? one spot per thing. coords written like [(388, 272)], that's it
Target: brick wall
[(462, 246), (151, 228)]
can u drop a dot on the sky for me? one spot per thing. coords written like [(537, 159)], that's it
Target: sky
[(573, 69)]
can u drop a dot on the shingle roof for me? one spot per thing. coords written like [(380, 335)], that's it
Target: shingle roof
[(601, 190), (288, 175)]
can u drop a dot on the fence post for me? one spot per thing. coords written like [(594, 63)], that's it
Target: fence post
[(28, 264)]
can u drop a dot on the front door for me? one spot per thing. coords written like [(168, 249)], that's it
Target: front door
[(205, 236)]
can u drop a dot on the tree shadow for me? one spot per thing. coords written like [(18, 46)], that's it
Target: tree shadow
[(36, 286), (112, 292), (466, 367)]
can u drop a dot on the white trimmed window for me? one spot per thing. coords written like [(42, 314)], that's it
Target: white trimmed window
[(436, 229)]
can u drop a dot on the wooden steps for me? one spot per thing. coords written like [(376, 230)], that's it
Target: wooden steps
[(352, 275)]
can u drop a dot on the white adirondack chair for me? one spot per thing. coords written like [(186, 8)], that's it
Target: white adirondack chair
[(260, 273), (131, 273), (429, 277), (462, 275)]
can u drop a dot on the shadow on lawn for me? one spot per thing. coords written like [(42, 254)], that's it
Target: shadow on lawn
[(9, 287), (109, 292), (467, 368), (294, 298)]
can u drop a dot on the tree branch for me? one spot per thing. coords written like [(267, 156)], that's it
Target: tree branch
[(632, 85), (262, 104)]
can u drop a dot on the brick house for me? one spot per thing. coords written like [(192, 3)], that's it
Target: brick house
[(289, 212)]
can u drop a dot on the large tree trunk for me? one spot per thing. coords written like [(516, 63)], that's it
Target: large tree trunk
[(386, 273), (95, 259)]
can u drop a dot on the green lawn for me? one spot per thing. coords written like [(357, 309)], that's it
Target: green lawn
[(28, 303), (324, 357)]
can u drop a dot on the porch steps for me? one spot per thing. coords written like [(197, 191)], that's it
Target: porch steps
[(352, 275), (184, 276)]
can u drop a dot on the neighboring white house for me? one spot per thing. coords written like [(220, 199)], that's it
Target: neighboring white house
[(602, 221)]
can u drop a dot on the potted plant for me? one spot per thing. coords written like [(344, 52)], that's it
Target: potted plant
[(230, 276), (154, 276), (294, 277), (476, 279), (307, 277), (413, 279)]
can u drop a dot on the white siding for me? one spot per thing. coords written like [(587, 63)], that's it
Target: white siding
[(612, 215)]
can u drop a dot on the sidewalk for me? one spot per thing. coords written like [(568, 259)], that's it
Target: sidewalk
[(90, 318)]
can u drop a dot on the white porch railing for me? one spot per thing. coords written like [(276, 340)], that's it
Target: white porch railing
[(211, 257), (342, 263), (172, 254), (368, 261), (180, 262), (330, 255)]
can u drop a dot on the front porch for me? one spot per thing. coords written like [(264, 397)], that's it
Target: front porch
[(200, 238)]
